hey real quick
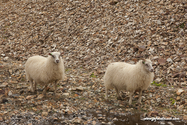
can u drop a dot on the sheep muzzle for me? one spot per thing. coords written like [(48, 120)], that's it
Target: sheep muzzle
[(57, 61), (151, 70)]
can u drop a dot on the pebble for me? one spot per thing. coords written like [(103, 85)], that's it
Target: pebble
[(3, 85), (157, 80), (162, 61), (1, 119), (178, 98), (65, 94), (185, 117), (77, 121), (40, 96), (170, 123), (179, 91), (180, 107), (30, 97), (10, 93), (158, 22), (183, 83), (44, 113), (169, 60)]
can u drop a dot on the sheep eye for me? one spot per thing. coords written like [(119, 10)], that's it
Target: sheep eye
[(53, 56)]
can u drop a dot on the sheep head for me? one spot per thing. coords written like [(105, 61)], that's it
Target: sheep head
[(55, 56), (147, 65)]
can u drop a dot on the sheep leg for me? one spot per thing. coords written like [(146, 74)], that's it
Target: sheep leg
[(31, 86), (55, 87), (106, 93), (35, 87), (140, 97), (118, 96), (45, 90), (130, 97)]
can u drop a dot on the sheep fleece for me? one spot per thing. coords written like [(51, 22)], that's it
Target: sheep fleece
[(43, 70), (126, 76)]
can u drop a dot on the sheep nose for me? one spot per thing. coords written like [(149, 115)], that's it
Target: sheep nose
[(57, 61), (151, 70)]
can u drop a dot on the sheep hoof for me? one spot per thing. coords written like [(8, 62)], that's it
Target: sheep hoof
[(106, 99), (44, 93), (109, 101), (119, 98), (56, 94), (31, 90), (139, 102)]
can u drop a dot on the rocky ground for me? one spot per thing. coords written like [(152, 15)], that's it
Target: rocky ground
[(92, 34)]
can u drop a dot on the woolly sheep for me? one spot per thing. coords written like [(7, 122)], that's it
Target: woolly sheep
[(44, 70), (129, 77)]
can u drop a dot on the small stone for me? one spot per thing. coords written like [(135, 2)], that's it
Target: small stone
[(2, 86), (178, 98), (157, 80), (162, 61), (65, 94), (80, 88), (151, 50), (159, 22), (185, 117), (30, 97), (40, 96), (1, 119), (179, 91), (183, 83), (3, 100), (155, 57), (72, 89), (113, 3), (142, 48), (15, 95), (169, 60), (100, 118), (99, 71), (77, 121), (94, 122), (10, 93), (170, 123), (6, 58), (44, 113), (180, 107), (158, 99), (115, 119), (176, 75), (3, 55), (153, 113), (13, 82)]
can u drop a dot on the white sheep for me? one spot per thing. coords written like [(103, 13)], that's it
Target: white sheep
[(129, 77), (44, 70)]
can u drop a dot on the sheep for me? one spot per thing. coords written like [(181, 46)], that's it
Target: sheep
[(44, 70), (129, 77)]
